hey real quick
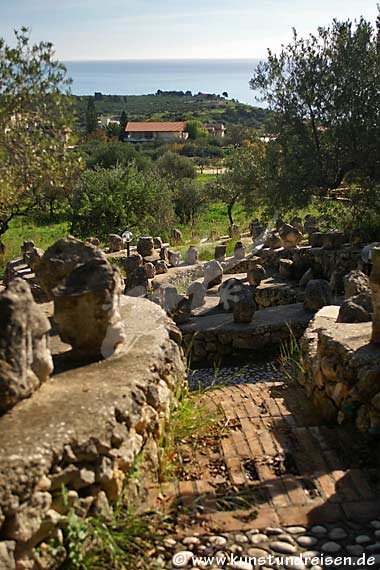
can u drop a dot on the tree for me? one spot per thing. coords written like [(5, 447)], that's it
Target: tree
[(189, 200), (326, 102), (225, 94), (91, 117), (194, 129), (114, 153), (35, 112), (123, 124), (243, 180), (175, 167), (109, 200)]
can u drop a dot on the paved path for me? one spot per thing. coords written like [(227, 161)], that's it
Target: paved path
[(276, 464)]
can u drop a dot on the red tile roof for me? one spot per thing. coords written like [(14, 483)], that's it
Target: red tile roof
[(158, 127)]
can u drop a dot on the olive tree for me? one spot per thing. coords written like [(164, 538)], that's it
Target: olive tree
[(35, 117)]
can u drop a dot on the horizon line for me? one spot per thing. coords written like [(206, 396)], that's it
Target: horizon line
[(166, 59)]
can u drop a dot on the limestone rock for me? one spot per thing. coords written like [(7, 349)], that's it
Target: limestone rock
[(87, 309), (157, 242), (115, 243), (197, 292), (213, 274), (7, 561), (93, 241), (145, 246), (357, 309), (25, 359), (164, 254), (317, 295), (60, 259), (131, 262), (306, 277), (192, 254), (355, 282), (161, 267), (290, 236)]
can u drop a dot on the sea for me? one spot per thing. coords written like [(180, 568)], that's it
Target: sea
[(141, 77)]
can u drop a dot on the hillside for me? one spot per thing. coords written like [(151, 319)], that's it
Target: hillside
[(176, 106)]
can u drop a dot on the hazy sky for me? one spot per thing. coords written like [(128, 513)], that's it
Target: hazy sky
[(134, 29)]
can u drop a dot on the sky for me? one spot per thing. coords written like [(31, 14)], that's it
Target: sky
[(172, 29)]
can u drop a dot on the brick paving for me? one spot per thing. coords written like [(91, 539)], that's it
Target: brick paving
[(295, 469)]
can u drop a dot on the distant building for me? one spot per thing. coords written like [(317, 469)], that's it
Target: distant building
[(150, 131), (215, 130)]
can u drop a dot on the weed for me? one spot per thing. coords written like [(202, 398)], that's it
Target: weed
[(291, 357)]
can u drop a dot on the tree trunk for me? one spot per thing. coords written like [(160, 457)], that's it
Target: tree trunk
[(229, 212)]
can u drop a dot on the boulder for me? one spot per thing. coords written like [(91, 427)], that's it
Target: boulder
[(115, 243), (356, 309), (60, 259), (256, 273), (150, 270), (93, 241), (333, 240), (197, 293), (286, 268), (164, 254), (244, 308), (25, 358), (316, 239), (290, 236), (174, 258), (239, 250), (87, 309), (229, 293), (273, 241), (306, 277), (176, 236), (220, 252), (192, 255), (33, 258), (145, 246), (355, 282), (213, 274), (169, 298), (317, 295)]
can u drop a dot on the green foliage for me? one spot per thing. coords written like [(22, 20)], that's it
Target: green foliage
[(91, 117), (114, 153), (123, 123), (35, 113), (326, 102), (195, 130), (175, 167), (110, 200)]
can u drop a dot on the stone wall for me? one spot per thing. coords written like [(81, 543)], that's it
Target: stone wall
[(342, 370), (83, 430)]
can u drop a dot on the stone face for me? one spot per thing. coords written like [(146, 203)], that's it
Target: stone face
[(25, 359), (60, 259), (115, 243), (197, 292), (87, 309), (273, 241), (255, 274), (355, 282), (220, 252), (150, 270), (213, 274), (333, 240), (239, 250), (317, 295), (286, 268), (245, 307), (145, 246), (375, 287), (136, 282), (357, 309), (192, 255), (290, 236), (174, 258), (229, 293)]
